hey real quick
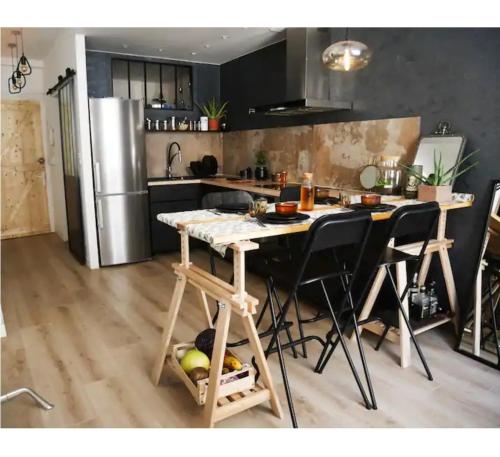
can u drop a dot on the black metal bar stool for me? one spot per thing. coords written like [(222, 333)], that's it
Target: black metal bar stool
[(327, 236), (413, 220)]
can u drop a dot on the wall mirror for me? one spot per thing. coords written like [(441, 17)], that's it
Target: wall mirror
[(450, 147), (481, 332)]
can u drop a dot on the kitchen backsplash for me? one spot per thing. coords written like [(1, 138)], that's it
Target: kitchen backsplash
[(335, 152), (193, 145)]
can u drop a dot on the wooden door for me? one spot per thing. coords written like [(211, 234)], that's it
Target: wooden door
[(24, 193)]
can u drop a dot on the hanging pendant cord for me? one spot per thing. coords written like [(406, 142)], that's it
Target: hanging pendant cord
[(22, 42)]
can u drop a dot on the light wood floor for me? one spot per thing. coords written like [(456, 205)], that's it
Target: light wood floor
[(86, 341)]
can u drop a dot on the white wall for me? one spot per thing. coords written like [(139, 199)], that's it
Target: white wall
[(86, 167), (34, 91), (69, 51)]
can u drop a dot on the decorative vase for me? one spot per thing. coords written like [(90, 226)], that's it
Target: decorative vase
[(213, 124), (438, 194), (260, 172)]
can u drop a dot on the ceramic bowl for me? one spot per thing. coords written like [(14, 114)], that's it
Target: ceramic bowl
[(370, 199), (321, 193), (286, 208)]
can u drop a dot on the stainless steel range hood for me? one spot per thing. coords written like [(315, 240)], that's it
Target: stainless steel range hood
[(307, 79)]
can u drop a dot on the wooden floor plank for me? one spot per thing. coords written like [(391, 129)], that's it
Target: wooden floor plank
[(86, 340)]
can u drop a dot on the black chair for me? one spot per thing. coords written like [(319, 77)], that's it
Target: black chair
[(214, 199), (328, 235), (415, 221)]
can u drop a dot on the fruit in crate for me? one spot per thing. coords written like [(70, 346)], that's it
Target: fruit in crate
[(194, 359), (204, 342), (231, 362), (198, 374)]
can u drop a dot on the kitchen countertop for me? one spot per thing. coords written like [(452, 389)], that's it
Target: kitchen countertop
[(248, 185)]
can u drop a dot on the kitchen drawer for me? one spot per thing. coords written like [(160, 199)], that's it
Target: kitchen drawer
[(163, 237), (174, 192)]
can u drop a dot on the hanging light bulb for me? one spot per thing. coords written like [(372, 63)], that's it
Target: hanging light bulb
[(347, 55), (23, 65), (12, 81), (17, 77)]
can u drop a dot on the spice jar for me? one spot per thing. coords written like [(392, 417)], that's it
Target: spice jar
[(307, 192)]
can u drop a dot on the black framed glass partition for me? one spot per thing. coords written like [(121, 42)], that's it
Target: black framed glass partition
[(71, 168), (159, 85)]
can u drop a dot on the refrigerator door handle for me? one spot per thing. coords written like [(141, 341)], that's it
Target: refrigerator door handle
[(100, 217), (97, 174)]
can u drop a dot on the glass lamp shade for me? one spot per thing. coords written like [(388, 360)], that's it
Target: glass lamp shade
[(24, 66), (13, 89), (18, 79), (346, 56)]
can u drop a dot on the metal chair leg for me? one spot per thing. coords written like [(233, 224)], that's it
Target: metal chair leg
[(382, 337), (213, 269), (362, 353), (26, 390), (301, 327), (407, 322), (345, 348), (262, 312), (288, 332), (276, 337)]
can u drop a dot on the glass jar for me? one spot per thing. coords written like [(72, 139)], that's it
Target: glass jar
[(307, 192), (411, 182), (389, 181)]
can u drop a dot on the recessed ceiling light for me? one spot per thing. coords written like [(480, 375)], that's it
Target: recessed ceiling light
[(208, 45), (160, 49), (193, 53), (225, 37), (124, 46)]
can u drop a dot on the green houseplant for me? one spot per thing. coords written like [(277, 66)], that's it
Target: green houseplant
[(436, 186), (260, 165), (214, 111)]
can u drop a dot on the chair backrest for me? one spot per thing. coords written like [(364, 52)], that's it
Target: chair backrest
[(214, 199), (334, 231), (412, 220), (290, 194), (417, 220)]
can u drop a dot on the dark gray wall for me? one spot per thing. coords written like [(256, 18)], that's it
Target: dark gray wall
[(451, 74), (206, 82)]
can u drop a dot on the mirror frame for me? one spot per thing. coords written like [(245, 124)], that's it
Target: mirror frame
[(453, 135), (494, 187)]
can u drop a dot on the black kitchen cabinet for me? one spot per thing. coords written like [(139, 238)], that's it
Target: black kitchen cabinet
[(170, 199)]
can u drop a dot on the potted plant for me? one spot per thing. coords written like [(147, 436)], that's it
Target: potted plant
[(260, 165), (214, 111), (436, 187)]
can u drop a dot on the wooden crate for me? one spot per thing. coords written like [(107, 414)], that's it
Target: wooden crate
[(228, 387)]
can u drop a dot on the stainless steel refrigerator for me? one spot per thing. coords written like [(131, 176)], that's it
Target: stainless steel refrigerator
[(120, 180)]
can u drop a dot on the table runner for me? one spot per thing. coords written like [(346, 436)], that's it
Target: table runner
[(225, 223)]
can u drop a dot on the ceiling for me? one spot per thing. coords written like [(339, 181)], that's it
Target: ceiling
[(207, 45)]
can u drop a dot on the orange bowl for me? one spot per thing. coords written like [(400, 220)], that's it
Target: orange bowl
[(286, 208), (370, 199)]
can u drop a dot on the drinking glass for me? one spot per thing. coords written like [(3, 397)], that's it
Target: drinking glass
[(257, 207)]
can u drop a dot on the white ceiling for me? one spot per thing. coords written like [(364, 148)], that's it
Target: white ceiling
[(210, 45)]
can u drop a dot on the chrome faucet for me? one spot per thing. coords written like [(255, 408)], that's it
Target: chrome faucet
[(170, 157)]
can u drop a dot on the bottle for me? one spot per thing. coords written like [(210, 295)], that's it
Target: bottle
[(433, 299), (412, 297), (307, 193), (424, 303)]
